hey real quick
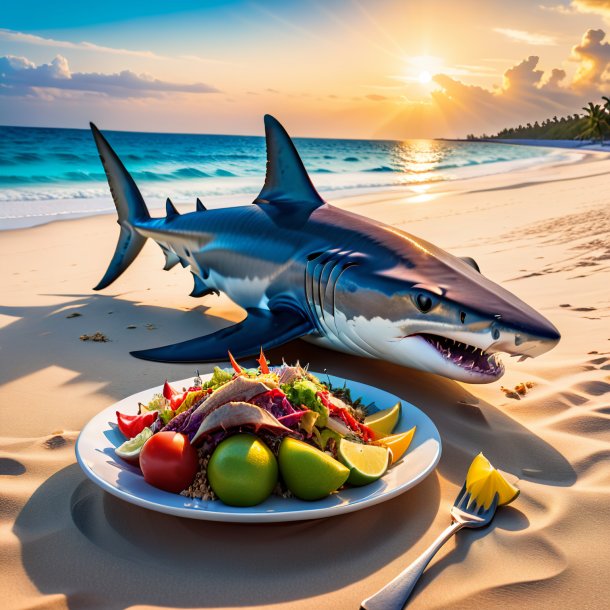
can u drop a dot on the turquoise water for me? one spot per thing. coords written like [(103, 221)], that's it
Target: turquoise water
[(47, 172)]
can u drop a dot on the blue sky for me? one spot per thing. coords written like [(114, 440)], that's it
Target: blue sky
[(407, 68)]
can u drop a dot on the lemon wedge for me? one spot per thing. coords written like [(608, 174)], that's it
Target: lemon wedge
[(483, 481), (383, 422), (397, 443)]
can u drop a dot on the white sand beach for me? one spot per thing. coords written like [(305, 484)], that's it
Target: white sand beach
[(543, 233)]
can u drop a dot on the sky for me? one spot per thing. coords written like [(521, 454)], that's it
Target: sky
[(386, 69)]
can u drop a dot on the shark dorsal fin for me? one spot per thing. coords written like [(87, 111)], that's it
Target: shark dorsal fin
[(199, 206), (287, 181), (170, 209)]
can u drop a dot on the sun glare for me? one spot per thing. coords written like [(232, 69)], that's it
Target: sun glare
[(420, 70)]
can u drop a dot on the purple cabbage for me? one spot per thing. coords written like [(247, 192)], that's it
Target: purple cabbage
[(275, 402), (184, 422), (292, 419)]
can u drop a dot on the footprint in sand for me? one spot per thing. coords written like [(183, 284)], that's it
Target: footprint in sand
[(594, 388), (10, 467)]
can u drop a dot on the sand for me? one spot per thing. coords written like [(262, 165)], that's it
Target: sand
[(64, 543)]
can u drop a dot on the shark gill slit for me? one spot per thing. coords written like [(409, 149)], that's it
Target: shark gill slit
[(318, 279), (309, 292), (356, 342)]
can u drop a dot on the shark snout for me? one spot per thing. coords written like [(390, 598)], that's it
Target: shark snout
[(528, 341)]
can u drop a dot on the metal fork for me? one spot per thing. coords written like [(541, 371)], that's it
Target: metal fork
[(464, 513)]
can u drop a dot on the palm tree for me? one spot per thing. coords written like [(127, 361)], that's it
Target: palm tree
[(607, 104), (596, 123)]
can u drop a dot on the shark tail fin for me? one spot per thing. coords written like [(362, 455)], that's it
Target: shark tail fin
[(130, 208)]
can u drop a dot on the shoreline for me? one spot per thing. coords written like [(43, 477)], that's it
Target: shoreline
[(464, 176), (559, 144)]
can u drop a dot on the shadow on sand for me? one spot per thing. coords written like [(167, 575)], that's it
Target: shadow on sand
[(466, 423), (122, 555)]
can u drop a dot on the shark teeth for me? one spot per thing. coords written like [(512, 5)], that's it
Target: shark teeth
[(467, 357)]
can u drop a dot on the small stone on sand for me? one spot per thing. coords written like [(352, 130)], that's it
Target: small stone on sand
[(55, 442), (519, 390), (74, 314), (98, 337), (510, 393), (131, 326)]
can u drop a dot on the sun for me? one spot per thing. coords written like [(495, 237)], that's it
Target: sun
[(424, 77)]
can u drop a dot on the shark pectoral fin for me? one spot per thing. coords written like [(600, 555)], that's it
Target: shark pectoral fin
[(171, 259), (261, 328), (200, 289), (471, 262), (287, 182)]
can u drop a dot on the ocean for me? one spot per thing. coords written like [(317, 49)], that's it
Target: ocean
[(48, 174)]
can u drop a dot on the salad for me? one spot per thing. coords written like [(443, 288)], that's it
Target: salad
[(247, 433)]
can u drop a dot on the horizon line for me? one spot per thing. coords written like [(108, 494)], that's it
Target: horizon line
[(237, 135)]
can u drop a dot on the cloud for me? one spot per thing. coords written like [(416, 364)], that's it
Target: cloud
[(374, 97), (595, 7), (523, 77), (13, 36), (33, 39), (527, 93), (593, 55), (20, 76), (527, 37)]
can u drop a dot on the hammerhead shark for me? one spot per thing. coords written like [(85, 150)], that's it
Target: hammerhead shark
[(301, 267)]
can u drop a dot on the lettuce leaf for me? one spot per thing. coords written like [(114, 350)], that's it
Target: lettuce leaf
[(219, 377), (304, 392), (189, 401)]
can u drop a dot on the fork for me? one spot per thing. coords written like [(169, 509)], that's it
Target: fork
[(464, 513)]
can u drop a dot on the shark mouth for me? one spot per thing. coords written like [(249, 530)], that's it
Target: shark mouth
[(466, 357)]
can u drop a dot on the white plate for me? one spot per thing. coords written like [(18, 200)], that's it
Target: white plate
[(98, 439)]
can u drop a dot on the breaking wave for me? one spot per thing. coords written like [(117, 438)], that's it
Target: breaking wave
[(60, 165)]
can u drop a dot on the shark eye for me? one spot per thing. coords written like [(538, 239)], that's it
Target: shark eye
[(423, 302)]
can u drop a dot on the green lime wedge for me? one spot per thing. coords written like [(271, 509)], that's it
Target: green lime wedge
[(366, 463), (130, 450), (310, 474)]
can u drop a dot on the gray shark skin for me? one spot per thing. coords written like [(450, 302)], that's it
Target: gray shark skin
[(303, 268)]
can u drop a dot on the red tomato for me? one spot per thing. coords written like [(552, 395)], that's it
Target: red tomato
[(169, 461)]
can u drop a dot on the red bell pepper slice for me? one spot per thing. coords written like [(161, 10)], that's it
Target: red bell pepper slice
[(349, 420), (176, 400), (168, 391), (234, 364), (132, 425), (262, 361)]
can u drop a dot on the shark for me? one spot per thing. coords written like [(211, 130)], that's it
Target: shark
[(303, 268)]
